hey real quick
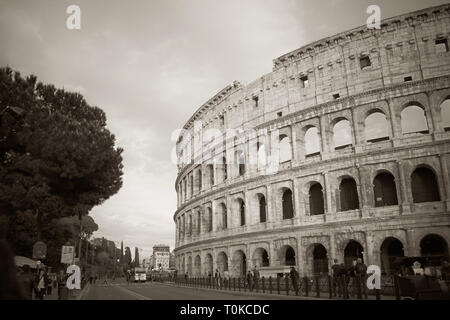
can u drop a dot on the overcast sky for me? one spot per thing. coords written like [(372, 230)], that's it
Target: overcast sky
[(150, 64)]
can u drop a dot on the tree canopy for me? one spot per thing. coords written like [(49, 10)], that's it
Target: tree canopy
[(57, 157)]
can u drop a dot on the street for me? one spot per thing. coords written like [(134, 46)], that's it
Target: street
[(120, 290)]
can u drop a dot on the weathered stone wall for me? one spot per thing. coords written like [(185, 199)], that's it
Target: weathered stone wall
[(406, 46)]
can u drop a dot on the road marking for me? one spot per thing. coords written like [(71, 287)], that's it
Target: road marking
[(135, 294)]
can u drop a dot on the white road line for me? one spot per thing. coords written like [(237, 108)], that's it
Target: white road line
[(135, 294)]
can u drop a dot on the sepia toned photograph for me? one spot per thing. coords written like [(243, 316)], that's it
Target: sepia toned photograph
[(235, 158)]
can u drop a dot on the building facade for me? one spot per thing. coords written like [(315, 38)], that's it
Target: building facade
[(161, 257), (340, 152)]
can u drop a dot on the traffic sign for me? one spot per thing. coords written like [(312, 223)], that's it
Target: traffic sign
[(67, 254), (39, 250)]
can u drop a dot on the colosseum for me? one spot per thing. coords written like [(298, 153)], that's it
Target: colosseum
[(340, 152)]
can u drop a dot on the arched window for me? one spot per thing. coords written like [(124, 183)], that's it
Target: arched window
[(222, 262), (435, 247), (316, 203), (342, 134), (390, 250), (191, 183), (424, 186), (353, 251), (320, 259), (288, 209), (285, 148), (312, 142), (289, 256), (262, 208), (445, 114), (414, 120), (348, 194), (384, 190), (376, 127)]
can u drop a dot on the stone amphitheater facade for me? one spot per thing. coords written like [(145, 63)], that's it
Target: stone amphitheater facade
[(345, 188)]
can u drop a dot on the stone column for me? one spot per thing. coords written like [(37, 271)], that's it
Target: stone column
[(299, 210), (325, 136), (444, 169), (327, 190), (405, 201)]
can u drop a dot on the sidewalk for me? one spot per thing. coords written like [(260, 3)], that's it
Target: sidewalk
[(311, 296), (73, 294)]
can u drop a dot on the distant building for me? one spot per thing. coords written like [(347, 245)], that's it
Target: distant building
[(172, 260), (161, 257)]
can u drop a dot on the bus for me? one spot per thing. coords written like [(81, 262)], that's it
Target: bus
[(140, 275)]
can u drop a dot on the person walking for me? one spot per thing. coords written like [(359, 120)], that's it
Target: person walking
[(351, 283), (217, 278), (63, 291), (26, 281), (10, 288), (337, 288), (256, 277), (249, 280), (294, 278), (361, 275), (41, 284)]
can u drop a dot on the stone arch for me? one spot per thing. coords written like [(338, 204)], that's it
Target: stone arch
[(287, 255), (376, 126), (239, 263), (312, 141), (352, 251), (317, 258), (239, 205), (209, 264), (197, 266), (209, 219), (262, 207), (435, 247), (222, 216), (287, 203), (384, 189), (261, 257), (316, 199), (424, 185), (222, 261), (348, 194), (414, 119), (391, 249), (444, 108), (285, 152), (342, 133), (189, 266)]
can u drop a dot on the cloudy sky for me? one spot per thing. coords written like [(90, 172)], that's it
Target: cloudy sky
[(150, 64)]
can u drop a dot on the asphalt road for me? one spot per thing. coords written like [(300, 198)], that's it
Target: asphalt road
[(158, 291)]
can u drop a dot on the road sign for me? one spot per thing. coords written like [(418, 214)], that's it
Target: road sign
[(39, 250), (67, 254)]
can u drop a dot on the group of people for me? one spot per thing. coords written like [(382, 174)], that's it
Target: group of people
[(24, 283), (348, 278)]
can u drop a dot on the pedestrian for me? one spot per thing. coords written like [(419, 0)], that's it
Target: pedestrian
[(336, 268), (294, 278), (226, 276), (351, 273), (63, 291), (9, 285), (445, 271), (106, 279), (249, 280), (41, 284), (255, 278), (26, 281), (217, 278), (361, 275)]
